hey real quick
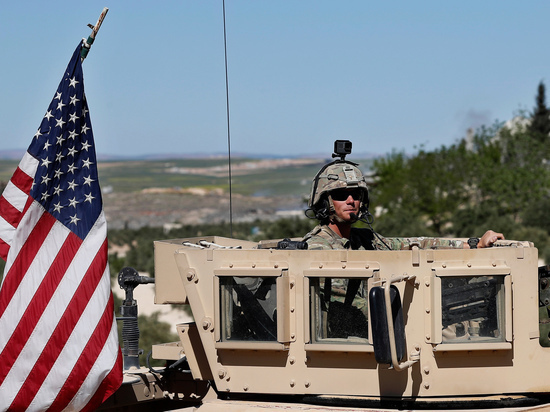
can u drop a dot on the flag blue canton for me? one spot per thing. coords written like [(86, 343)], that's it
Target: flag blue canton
[(66, 181)]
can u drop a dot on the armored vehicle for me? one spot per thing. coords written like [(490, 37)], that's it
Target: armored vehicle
[(280, 327)]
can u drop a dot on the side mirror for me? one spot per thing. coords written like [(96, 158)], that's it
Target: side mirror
[(382, 331)]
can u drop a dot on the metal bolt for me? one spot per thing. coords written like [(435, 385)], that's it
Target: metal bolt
[(245, 388), (444, 265), (426, 370), (253, 265), (206, 323), (367, 266), (231, 265), (275, 266), (469, 264), (343, 265), (428, 337), (320, 265), (222, 373), (427, 385), (292, 360), (307, 384), (427, 310), (494, 264), (292, 383), (427, 283), (190, 276)]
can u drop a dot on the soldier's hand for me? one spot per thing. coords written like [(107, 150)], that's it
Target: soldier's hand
[(489, 238)]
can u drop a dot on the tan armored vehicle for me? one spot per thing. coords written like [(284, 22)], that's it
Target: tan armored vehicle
[(448, 328), (277, 326)]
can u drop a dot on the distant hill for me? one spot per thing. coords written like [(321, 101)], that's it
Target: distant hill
[(17, 154)]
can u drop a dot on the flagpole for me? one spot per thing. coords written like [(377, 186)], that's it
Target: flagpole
[(89, 41)]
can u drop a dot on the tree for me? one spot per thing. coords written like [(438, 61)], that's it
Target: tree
[(540, 119), (420, 192), (463, 190)]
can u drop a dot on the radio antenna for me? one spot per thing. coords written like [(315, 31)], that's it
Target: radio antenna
[(228, 128)]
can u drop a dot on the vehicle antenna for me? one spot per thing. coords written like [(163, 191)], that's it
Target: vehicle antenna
[(87, 43), (228, 128)]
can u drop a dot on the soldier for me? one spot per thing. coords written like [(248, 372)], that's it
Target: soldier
[(340, 197)]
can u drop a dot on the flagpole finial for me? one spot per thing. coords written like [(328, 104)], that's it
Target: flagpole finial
[(87, 43)]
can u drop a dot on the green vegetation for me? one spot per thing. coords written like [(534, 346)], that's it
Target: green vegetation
[(499, 179), (140, 241)]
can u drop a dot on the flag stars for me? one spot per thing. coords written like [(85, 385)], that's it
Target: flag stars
[(72, 185), (48, 115), (72, 134), (86, 145), (71, 168), (73, 202), (73, 117), (84, 129), (87, 163), (59, 122), (57, 207), (73, 82), (45, 179), (88, 180), (60, 105), (45, 196), (74, 100), (58, 157), (72, 151), (38, 134), (46, 162), (89, 198), (60, 140), (57, 190), (57, 96), (57, 174), (74, 219), (46, 146)]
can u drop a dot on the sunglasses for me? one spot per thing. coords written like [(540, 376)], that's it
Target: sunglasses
[(343, 194)]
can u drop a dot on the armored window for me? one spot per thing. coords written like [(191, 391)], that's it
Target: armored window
[(472, 308), (248, 309), (338, 310), (253, 311)]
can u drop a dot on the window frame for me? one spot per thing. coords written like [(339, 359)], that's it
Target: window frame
[(285, 299), (339, 273), (434, 334)]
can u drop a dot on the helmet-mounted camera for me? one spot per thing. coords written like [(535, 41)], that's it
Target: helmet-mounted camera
[(342, 148)]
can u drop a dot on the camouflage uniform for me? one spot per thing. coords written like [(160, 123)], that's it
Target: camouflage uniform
[(322, 237)]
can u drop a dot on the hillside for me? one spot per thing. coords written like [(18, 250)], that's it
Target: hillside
[(139, 193)]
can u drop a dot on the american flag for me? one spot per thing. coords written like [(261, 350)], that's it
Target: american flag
[(58, 336)]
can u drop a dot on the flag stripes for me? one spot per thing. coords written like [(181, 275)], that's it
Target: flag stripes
[(58, 335), (13, 201)]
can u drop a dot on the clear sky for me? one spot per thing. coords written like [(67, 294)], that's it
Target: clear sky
[(302, 73)]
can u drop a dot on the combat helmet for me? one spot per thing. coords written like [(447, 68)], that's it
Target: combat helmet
[(339, 174)]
